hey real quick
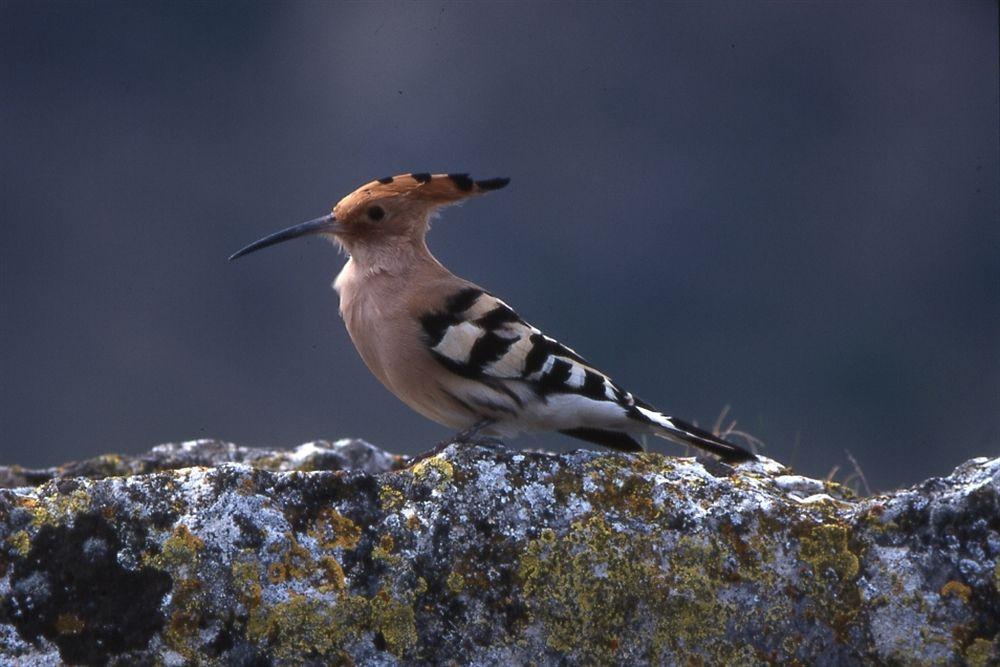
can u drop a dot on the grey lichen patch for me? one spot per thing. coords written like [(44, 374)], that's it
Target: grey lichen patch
[(485, 555)]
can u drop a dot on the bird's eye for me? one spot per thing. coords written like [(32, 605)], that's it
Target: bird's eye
[(376, 212)]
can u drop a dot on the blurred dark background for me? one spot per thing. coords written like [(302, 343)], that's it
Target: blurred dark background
[(788, 208)]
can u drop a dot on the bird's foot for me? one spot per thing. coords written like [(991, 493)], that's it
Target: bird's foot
[(472, 433), (483, 440), (470, 436)]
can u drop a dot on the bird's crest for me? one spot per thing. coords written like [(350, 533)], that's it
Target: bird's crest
[(432, 188)]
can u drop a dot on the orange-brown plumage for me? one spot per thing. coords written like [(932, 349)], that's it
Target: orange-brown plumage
[(411, 197)]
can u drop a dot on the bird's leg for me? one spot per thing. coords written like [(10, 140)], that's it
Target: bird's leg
[(470, 436)]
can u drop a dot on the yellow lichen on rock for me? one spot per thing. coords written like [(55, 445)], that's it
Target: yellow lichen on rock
[(583, 587), (319, 625), (825, 548), (982, 653), (630, 494), (20, 542), (383, 551), (395, 620), (956, 589), (436, 467), (587, 587), (305, 626), (246, 580), (333, 530), (187, 607), (178, 553), (69, 624), (391, 499), (833, 590), (300, 627), (296, 561), (56, 509), (455, 582), (333, 575), (484, 555)]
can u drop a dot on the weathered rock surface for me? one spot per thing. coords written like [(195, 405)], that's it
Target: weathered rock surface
[(336, 553)]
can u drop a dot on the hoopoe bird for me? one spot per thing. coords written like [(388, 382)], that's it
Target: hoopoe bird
[(453, 351)]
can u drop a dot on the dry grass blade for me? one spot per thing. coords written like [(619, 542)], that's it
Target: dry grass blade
[(731, 431), (858, 473)]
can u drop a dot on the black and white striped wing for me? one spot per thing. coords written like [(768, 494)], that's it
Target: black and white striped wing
[(478, 336)]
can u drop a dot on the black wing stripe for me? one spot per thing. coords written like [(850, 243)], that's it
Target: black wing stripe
[(536, 357), (462, 300), (593, 386), (435, 325), (564, 351), (488, 348), (555, 379), (456, 367), (498, 317), (713, 443), (491, 346)]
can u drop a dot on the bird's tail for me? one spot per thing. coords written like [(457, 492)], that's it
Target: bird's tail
[(680, 431)]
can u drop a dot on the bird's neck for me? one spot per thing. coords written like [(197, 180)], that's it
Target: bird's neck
[(396, 256), (391, 269)]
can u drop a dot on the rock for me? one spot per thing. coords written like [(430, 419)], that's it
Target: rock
[(319, 455), (336, 553)]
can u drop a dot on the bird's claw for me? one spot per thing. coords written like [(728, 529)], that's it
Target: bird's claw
[(470, 436)]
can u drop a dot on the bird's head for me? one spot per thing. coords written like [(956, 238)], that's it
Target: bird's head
[(385, 211)]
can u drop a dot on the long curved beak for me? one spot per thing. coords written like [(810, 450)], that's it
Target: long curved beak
[(324, 225)]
